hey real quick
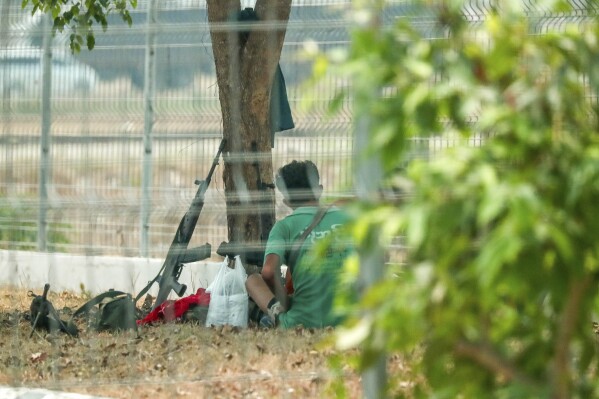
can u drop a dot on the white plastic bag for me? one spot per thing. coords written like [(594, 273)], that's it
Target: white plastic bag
[(228, 296)]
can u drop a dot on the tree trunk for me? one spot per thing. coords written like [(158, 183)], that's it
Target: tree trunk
[(245, 73)]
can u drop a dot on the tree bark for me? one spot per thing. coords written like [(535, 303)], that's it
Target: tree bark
[(245, 72)]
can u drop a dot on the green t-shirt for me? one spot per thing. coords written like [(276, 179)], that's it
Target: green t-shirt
[(314, 278)]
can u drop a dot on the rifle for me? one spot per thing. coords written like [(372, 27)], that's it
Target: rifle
[(178, 254)]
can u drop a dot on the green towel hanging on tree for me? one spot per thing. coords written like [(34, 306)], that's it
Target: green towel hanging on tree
[(280, 111)]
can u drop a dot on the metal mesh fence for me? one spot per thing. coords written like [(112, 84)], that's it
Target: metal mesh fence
[(97, 112), (97, 121), (95, 168)]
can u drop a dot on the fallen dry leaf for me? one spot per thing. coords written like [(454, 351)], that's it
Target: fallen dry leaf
[(38, 357)]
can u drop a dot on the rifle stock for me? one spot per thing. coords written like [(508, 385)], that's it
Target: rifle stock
[(178, 253)]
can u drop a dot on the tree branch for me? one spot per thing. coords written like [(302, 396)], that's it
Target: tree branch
[(568, 320), (483, 354)]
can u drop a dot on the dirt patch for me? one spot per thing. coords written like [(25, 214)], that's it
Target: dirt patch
[(168, 360)]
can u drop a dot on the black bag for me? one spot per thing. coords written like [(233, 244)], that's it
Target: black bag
[(115, 311), (44, 316)]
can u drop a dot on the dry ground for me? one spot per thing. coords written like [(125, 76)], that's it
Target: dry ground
[(173, 360)]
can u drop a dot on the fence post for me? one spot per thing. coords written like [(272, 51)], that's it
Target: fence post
[(5, 112), (149, 91), (368, 177), (45, 156)]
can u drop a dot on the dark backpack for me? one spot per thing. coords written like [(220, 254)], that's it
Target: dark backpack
[(111, 311)]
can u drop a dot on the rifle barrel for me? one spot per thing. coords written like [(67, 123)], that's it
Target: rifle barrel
[(215, 162)]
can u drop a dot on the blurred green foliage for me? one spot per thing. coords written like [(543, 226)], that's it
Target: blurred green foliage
[(499, 289), (19, 228)]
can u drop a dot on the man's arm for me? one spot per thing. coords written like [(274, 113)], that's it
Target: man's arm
[(271, 273)]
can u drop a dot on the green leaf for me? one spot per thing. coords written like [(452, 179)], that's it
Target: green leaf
[(563, 244), (417, 225), (75, 47), (104, 23), (492, 204), (91, 41), (338, 101), (501, 249), (350, 337), (127, 18), (56, 11)]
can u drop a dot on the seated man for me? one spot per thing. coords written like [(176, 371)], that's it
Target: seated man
[(314, 279)]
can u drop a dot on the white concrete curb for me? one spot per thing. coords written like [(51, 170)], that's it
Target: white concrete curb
[(94, 274), (32, 393)]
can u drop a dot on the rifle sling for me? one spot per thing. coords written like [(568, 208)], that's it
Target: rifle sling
[(85, 308), (149, 285)]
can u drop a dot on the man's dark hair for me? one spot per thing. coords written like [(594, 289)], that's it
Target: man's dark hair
[(299, 182)]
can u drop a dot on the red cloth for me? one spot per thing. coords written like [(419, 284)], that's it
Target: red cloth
[(171, 310)]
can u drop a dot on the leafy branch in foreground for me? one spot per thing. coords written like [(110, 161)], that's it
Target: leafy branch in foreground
[(80, 17), (500, 286)]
